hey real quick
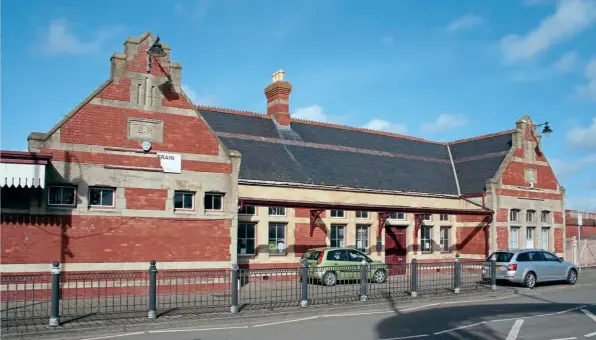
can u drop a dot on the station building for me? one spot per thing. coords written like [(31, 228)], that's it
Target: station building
[(137, 172)]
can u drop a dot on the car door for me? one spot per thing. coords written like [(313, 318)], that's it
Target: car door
[(356, 259), (557, 270), (340, 263), (538, 265)]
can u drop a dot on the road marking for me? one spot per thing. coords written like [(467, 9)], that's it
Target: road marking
[(195, 329), (285, 321), (571, 338), (356, 314), (418, 307), (114, 336), (540, 315), (460, 327), (589, 314), (514, 332), (480, 300), (590, 335), (407, 337)]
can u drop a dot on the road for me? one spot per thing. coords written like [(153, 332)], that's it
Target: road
[(545, 313)]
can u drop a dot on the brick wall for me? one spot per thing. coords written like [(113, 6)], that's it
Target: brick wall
[(472, 240), (515, 175), (303, 240), (95, 239), (559, 240), (145, 199), (502, 237)]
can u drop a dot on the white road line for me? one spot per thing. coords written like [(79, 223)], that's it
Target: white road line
[(481, 300), (589, 314), (418, 307), (195, 329), (590, 335), (285, 321), (356, 314), (571, 338), (407, 337), (460, 327), (114, 336), (514, 332), (540, 315)]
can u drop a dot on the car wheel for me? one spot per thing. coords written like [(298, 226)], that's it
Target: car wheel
[(572, 277), (530, 280), (380, 276), (329, 279)]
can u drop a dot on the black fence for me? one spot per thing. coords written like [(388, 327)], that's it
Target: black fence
[(62, 297)]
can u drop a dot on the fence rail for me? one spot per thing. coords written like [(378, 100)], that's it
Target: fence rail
[(56, 296)]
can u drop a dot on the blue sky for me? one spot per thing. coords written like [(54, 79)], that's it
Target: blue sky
[(452, 70)]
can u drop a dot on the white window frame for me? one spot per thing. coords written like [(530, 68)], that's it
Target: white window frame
[(548, 217), (337, 215), (364, 215), (246, 214), (366, 233), (545, 245), (531, 213), (254, 237), (511, 214), (338, 227), (427, 217), (277, 211), (185, 193), (277, 238), (74, 201), (444, 217), (517, 232), (396, 214), (429, 239), (113, 190), (214, 194), (445, 240)]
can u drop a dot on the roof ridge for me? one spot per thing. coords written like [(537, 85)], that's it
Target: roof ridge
[(313, 122), (488, 135)]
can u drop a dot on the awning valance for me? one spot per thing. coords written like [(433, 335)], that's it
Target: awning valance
[(22, 175)]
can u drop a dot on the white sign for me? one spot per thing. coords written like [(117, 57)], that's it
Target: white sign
[(579, 219), (170, 162)]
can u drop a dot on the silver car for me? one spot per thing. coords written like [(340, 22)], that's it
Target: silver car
[(530, 266)]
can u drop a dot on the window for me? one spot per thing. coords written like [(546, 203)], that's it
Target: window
[(356, 256), (400, 216), (444, 217), (246, 238), (550, 257), (213, 201), (362, 214), (427, 217), (445, 239), (530, 256), (61, 195), (426, 239), (101, 197), (530, 216), (338, 236), (362, 238), (277, 239), (338, 213), (337, 255), (514, 238), (184, 200), (544, 238), (277, 211), (530, 176), (248, 210), (514, 215), (545, 217)]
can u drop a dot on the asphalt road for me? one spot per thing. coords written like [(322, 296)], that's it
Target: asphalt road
[(545, 313)]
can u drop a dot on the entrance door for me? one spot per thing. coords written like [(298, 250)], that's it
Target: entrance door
[(529, 237), (395, 249)]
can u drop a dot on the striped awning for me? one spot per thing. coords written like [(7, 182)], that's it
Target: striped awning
[(22, 175)]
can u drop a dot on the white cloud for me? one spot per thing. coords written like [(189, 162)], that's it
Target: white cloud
[(583, 137), (313, 112), (445, 122), (566, 63), (564, 169), (466, 22), (588, 90), (195, 98), (59, 38), (383, 125), (570, 19), (581, 203)]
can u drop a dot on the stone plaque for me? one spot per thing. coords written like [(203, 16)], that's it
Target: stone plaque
[(145, 129)]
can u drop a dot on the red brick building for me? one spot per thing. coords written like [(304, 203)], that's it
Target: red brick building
[(588, 227), (137, 172)]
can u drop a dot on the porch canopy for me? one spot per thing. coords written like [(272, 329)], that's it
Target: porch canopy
[(23, 169)]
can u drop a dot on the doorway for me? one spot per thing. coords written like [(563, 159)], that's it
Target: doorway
[(396, 249), (530, 237)]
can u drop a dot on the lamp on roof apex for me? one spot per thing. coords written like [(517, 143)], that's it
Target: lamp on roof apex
[(546, 130), (156, 50)]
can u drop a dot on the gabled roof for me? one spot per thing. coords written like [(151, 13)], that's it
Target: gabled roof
[(335, 155)]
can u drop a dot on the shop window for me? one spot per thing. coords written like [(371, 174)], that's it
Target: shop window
[(246, 238), (61, 195), (101, 197)]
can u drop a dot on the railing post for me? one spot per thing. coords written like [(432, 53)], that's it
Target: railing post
[(152, 290), (457, 276), (235, 278), (304, 283), (55, 312), (363, 281), (414, 278), (493, 273)]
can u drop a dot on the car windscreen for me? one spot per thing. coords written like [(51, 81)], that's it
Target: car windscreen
[(312, 255), (500, 257)]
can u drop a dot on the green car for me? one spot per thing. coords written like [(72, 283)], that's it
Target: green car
[(330, 265)]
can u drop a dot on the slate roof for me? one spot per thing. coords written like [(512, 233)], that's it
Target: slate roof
[(328, 155)]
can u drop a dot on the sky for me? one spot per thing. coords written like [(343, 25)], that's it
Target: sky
[(440, 70)]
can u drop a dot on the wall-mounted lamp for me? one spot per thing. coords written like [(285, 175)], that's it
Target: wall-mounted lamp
[(156, 50), (546, 130)]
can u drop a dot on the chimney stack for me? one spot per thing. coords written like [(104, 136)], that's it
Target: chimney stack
[(278, 99)]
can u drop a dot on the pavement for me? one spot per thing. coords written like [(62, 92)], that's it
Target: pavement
[(547, 312)]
